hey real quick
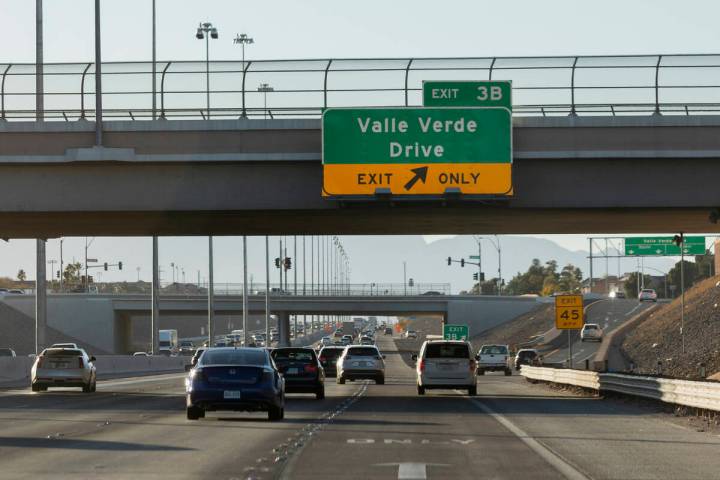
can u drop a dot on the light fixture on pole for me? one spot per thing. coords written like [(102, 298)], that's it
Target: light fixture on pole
[(206, 31), (242, 39), (265, 88)]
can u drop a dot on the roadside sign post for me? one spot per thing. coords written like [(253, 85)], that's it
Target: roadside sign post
[(455, 332), (569, 315)]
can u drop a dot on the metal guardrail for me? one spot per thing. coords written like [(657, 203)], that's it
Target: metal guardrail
[(542, 86), (704, 395), (220, 288)]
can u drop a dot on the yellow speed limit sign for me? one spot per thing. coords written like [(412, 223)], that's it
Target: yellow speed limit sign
[(569, 312)]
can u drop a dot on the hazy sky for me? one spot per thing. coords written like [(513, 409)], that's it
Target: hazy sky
[(332, 28)]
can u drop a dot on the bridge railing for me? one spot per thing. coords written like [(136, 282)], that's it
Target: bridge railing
[(225, 289), (542, 86)]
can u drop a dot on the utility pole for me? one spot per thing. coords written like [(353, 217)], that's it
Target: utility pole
[(267, 290), (155, 298), (211, 299), (245, 294), (405, 278), (591, 266)]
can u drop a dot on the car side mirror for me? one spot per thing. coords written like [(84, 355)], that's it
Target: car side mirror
[(414, 356), (92, 359), (383, 355), (477, 357)]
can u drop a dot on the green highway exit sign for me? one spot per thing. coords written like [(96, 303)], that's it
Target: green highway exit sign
[(459, 93), (455, 332), (663, 246)]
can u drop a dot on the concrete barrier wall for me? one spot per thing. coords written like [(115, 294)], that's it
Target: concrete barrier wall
[(15, 372)]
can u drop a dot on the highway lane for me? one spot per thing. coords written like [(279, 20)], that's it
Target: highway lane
[(137, 428), (609, 314), (512, 429)]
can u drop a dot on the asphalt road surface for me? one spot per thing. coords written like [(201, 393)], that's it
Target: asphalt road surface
[(609, 314), (136, 428)]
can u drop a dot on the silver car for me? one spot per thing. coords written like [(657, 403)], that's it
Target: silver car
[(359, 362), (63, 367)]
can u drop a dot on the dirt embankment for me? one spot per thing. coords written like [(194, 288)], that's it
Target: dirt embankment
[(658, 338), (520, 331)]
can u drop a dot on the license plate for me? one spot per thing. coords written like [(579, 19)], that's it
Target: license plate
[(292, 371), (231, 395), (446, 366), (361, 364)]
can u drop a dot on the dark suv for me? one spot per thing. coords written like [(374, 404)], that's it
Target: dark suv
[(328, 359), (301, 369), (388, 331)]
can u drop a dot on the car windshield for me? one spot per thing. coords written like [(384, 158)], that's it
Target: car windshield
[(234, 357), (590, 327), (447, 350), (527, 354), (648, 291), (363, 352), (494, 350), (282, 355)]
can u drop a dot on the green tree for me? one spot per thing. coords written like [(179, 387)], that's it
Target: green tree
[(570, 279), (692, 275), (539, 279), (21, 275), (71, 275)]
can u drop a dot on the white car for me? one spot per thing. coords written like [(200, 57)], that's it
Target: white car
[(410, 334), (63, 367), (647, 294), (591, 331), (445, 364), (359, 362)]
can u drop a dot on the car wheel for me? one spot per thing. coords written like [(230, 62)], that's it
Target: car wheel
[(35, 387), (320, 394), (193, 413), (472, 391), (508, 372), (341, 380), (94, 386), (380, 381), (481, 371), (421, 390), (275, 414), (87, 388)]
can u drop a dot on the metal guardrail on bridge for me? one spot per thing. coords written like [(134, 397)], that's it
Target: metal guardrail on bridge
[(542, 86), (704, 395)]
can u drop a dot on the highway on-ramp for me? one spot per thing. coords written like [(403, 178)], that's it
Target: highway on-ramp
[(136, 428), (609, 314)]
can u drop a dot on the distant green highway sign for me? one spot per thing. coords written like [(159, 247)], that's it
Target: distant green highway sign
[(463, 93), (663, 246), (455, 332)]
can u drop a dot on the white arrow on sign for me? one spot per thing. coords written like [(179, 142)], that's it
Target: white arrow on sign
[(412, 471), (658, 251)]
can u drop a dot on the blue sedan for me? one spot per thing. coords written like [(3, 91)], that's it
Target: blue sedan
[(236, 379)]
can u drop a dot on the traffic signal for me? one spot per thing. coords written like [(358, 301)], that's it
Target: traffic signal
[(462, 262), (277, 262), (288, 263), (449, 261), (482, 276), (57, 273), (679, 239), (119, 265), (105, 266), (411, 282), (475, 276)]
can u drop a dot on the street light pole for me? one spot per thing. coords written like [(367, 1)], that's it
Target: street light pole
[(242, 39), (265, 88), (154, 62), (206, 31)]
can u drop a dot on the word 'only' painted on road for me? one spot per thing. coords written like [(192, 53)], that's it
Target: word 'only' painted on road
[(417, 151)]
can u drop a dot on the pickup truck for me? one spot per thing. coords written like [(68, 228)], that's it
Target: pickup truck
[(493, 358)]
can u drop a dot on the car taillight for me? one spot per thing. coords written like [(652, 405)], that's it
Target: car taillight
[(198, 374), (80, 362), (311, 368), (422, 366)]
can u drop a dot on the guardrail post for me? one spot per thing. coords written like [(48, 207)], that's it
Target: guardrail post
[(244, 110), (407, 73), (657, 86), (573, 113), (327, 69), (2, 92), (82, 92), (162, 91)]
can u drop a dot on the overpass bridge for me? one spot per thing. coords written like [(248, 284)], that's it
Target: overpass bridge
[(601, 144)]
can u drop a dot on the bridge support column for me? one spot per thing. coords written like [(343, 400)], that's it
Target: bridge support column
[(155, 299), (284, 329), (40, 298)]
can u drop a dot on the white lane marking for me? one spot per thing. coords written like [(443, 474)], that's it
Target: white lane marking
[(562, 466), (631, 311), (411, 470)]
